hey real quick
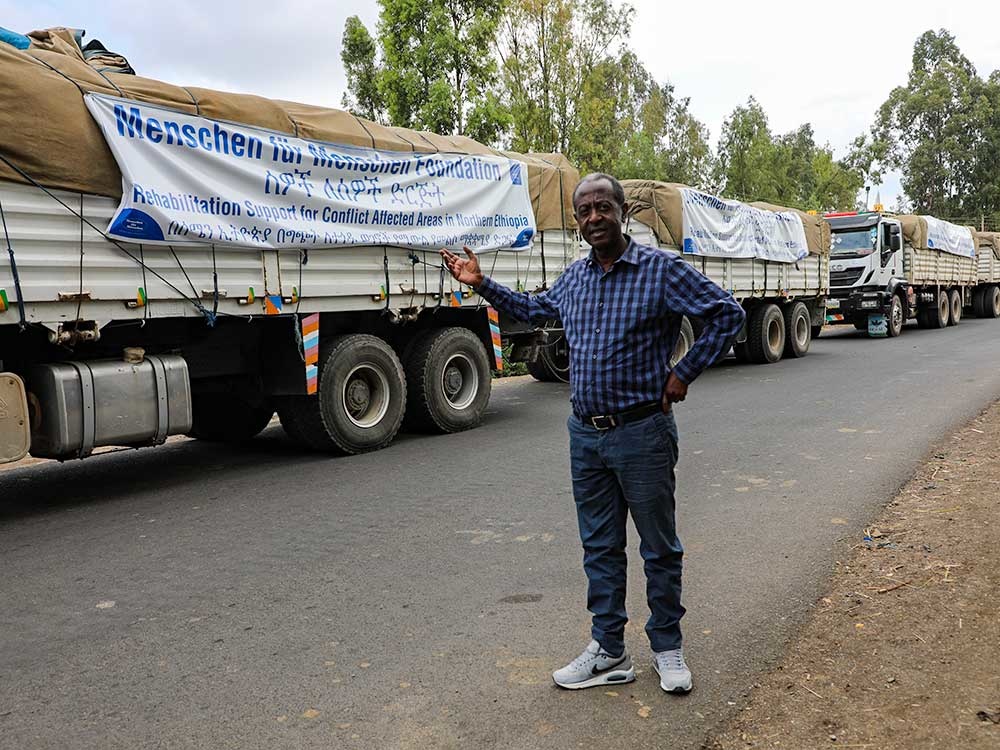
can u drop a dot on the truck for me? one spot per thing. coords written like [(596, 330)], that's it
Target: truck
[(986, 295), (139, 301), (773, 260), (886, 269)]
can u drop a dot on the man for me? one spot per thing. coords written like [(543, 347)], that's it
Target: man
[(621, 310)]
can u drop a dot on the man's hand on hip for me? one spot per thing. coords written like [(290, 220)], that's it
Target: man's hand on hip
[(675, 390), (465, 270)]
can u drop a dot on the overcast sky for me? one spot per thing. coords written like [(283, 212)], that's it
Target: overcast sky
[(831, 68)]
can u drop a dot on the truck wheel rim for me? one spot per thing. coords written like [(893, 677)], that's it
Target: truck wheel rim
[(897, 314), (801, 330), (460, 381), (366, 395), (995, 301), (774, 335), (680, 351)]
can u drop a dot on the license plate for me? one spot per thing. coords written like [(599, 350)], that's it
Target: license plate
[(832, 304)]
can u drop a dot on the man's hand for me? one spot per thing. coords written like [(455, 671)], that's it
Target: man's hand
[(465, 270), (675, 390)]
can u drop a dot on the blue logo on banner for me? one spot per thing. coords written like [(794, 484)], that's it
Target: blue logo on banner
[(524, 238), (136, 225), (515, 172), (689, 246)]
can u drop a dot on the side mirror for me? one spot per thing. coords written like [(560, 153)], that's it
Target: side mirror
[(895, 239)]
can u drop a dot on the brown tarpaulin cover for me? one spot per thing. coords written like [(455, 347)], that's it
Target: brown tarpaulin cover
[(990, 240), (658, 205), (914, 230), (47, 131)]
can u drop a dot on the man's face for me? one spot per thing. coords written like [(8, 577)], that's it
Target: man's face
[(598, 214)]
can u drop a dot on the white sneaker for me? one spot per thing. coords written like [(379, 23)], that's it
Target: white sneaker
[(675, 677), (595, 666)]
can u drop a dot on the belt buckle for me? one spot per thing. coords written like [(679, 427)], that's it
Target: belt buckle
[(603, 422)]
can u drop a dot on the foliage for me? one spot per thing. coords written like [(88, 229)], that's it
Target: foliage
[(510, 369), (362, 96), (746, 155), (435, 69), (942, 130), (558, 75), (568, 83), (789, 169), (574, 86)]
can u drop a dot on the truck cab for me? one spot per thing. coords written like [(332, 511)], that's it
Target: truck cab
[(868, 287)]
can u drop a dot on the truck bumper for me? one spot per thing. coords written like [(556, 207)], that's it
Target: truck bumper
[(845, 307)]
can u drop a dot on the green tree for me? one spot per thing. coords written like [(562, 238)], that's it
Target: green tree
[(792, 166), (435, 69), (930, 129), (747, 155), (790, 169), (573, 85), (550, 52), (985, 198), (358, 55), (835, 185), (688, 156)]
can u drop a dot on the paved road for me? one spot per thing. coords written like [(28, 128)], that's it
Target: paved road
[(196, 596)]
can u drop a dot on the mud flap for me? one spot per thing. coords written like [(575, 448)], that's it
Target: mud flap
[(15, 431), (878, 325)]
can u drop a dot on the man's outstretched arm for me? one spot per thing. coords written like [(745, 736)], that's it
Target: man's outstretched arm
[(535, 308)]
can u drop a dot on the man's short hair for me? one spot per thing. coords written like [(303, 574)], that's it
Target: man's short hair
[(616, 187)]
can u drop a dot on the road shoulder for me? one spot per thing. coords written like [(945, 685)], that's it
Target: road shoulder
[(902, 651)]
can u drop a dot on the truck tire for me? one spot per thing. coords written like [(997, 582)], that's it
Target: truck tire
[(552, 363), (978, 297), (798, 329), (221, 417), (557, 357), (742, 352), (895, 317), (766, 335), (955, 303), (301, 421), (991, 301), (685, 340), (361, 402), (539, 370), (448, 381), (362, 393), (938, 317)]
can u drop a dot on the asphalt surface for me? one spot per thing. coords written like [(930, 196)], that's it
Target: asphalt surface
[(208, 597)]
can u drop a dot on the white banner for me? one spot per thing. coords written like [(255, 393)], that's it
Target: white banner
[(949, 238), (188, 179), (730, 229)]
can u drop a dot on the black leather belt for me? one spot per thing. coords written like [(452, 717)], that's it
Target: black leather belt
[(607, 421)]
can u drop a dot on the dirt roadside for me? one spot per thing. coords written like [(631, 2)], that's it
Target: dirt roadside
[(904, 649)]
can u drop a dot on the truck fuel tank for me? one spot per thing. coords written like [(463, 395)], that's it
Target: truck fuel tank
[(79, 406)]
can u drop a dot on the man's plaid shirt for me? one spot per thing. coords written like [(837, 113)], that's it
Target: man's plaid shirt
[(622, 325)]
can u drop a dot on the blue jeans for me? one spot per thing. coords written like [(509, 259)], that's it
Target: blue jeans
[(616, 472)]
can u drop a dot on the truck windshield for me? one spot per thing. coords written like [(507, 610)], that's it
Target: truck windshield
[(855, 242)]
